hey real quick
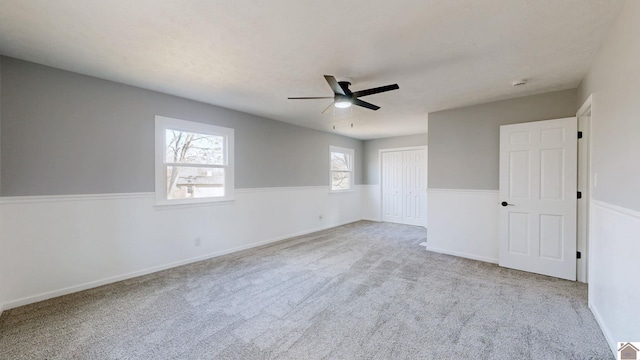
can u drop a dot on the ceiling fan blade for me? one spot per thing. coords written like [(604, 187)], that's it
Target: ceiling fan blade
[(334, 85), (365, 104), (376, 90), (312, 97), (328, 107)]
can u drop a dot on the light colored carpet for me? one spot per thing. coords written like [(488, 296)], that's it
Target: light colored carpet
[(361, 291)]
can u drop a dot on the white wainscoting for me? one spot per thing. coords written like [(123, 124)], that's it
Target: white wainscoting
[(55, 245), (371, 203), (1, 294), (614, 271), (464, 223)]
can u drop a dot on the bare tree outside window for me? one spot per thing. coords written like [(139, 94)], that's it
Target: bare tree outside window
[(191, 160), (194, 162), (341, 168)]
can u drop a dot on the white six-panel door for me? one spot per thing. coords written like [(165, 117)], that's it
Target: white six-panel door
[(404, 184), (538, 175)]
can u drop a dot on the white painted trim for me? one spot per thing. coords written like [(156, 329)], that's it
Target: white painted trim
[(585, 145), (461, 254), (466, 191), (93, 284), (75, 197), (377, 221), (605, 330), (621, 210), (586, 106), (136, 195)]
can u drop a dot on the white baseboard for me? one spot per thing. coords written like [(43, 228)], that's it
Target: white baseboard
[(93, 284), (605, 331), (461, 254)]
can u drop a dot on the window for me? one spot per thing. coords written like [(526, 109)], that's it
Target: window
[(194, 162), (341, 169)]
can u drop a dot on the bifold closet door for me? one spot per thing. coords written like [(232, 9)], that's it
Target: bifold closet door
[(404, 187), (392, 186), (414, 188)]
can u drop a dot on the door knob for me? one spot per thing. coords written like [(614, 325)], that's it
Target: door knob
[(504, 203)]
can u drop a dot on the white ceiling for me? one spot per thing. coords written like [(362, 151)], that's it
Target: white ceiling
[(251, 55)]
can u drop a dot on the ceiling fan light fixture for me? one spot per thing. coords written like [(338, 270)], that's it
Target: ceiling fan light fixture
[(342, 104)]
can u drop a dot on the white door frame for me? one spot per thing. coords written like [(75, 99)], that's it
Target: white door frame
[(426, 169), (585, 124)]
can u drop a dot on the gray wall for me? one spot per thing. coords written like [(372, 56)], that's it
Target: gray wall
[(2, 246), (0, 133), (464, 143), (614, 80), (371, 155), (66, 133)]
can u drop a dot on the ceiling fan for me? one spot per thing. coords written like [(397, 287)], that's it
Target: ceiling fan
[(344, 98)]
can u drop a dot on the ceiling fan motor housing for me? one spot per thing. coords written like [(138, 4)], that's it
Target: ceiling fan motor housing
[(345, 83), (348, 96)]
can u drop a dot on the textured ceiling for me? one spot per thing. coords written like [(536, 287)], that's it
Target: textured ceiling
[(251, 55)]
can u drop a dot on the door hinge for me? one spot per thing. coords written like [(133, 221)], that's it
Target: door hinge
[(579, 134), (578, 255), (579, 194)]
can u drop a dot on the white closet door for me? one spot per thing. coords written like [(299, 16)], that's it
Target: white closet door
[(404, 187), (392, 186), (414, 187)]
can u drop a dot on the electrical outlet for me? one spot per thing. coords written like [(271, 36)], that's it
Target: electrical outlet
[(197, 241)]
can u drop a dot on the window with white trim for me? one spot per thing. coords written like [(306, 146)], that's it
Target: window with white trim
[(340, 169), (194, 162)]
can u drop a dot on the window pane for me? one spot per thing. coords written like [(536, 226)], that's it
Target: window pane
[(194, 182), (340, 180), (194, 148), (340, 161)]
